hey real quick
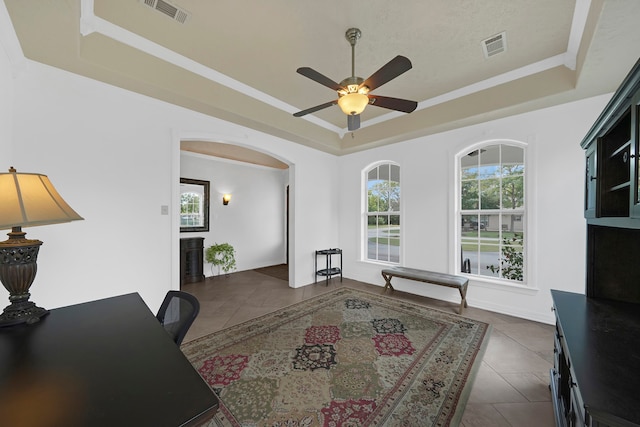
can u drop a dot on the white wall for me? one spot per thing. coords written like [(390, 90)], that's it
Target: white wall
[(6, 96), (556, 232), (114, 156), (254, 221)]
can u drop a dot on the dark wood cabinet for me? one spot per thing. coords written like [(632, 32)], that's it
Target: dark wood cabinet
[(612, 202), (191, 260), (595, 378), (613, 263), (611, 148)]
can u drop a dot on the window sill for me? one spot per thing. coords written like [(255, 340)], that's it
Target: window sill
[(493, 283), (379, 263)]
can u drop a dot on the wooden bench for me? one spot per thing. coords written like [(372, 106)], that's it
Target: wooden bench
[(441, 279)]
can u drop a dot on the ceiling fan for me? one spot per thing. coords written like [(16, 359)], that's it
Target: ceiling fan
[(354, 92)]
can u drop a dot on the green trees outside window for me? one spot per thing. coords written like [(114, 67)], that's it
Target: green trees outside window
[(190, 210), (382, 235), (194, 205), (492, 211)]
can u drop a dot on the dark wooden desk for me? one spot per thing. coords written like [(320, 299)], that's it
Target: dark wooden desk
[(102, 363), (596, 378)]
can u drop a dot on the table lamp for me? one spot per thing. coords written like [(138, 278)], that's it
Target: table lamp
[(26, 200)]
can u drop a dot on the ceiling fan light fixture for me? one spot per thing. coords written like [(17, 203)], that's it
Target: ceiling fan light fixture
[(353, 103), (353, 92)]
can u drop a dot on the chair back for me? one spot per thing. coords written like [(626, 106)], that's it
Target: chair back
[(177, 312)]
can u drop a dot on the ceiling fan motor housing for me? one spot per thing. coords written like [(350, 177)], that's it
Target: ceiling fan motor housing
[(352, 84)]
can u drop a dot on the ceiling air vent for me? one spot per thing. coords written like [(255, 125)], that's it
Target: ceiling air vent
[(494, 45), (171, 10)]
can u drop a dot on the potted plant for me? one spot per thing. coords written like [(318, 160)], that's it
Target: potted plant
[(222, 255)]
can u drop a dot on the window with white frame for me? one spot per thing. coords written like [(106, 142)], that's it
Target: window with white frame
[(382, 216), (492, 212)]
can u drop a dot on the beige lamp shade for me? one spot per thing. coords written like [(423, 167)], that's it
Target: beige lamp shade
[(29, 199), (353, 103)]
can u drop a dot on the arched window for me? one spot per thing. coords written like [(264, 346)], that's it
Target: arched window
[(492, 211), (382, 216)]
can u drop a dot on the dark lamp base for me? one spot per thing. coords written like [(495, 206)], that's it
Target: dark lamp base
[(22, 312), (18, 268)]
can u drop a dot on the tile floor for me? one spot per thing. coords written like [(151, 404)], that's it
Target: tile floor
[(511, 388)]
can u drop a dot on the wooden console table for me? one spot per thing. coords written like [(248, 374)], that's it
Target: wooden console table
[(103, 363)]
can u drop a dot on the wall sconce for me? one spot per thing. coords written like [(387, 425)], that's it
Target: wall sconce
[(26, 199), (225, 199)]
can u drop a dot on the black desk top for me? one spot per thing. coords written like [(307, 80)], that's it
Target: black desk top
[(602, 342), (103, 363)]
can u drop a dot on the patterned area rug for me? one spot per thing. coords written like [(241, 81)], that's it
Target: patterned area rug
[(343, 359)]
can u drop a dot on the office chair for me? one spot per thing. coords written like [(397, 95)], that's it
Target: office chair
[(177, 313)]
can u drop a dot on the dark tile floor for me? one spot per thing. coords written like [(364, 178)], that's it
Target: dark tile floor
[(511, 388)]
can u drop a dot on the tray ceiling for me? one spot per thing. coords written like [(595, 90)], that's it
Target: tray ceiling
[(237, 59)]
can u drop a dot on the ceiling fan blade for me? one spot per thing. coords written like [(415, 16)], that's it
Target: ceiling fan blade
[(389, 71), (314, 109), (353, 121), (317, 77), (397, 104)]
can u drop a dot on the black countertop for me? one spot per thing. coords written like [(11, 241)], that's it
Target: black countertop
[(603, 344)]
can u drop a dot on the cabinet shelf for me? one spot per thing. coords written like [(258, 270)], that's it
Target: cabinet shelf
[(613, 162), (623, 186), (621, 149), (328, 271)]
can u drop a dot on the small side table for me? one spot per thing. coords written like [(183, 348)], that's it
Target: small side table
[(329, 270)]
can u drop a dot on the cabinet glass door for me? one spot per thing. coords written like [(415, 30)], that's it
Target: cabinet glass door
[(590, 183), (635, 152), (614, 169)]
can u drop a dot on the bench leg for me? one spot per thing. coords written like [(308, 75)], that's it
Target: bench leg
[(387, 285), (463, 295)]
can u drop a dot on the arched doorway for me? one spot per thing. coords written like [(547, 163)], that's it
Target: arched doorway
[(236, 169)]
